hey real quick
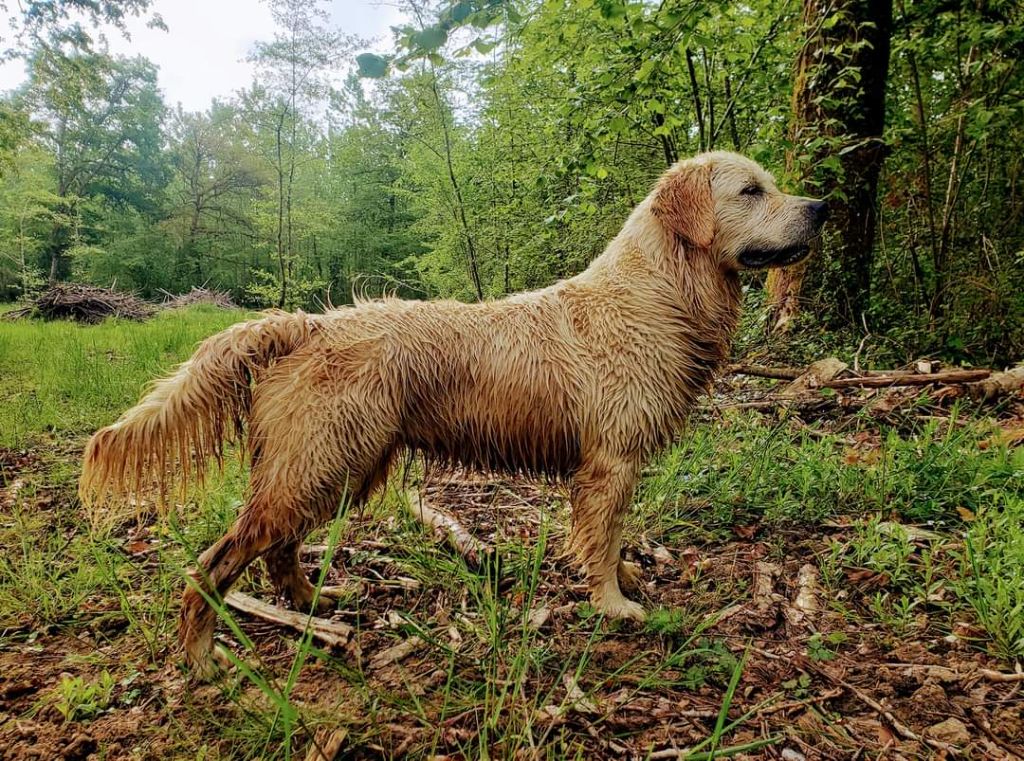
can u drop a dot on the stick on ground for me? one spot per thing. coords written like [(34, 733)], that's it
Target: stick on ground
[(448, 528), (327, 745), (333, 633), (900, 379)]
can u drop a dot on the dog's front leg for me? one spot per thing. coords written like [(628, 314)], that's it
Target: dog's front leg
[(601, 493)]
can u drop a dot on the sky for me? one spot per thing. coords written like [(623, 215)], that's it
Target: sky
[(202, 55)]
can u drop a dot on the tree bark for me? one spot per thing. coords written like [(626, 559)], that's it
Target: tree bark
[(828, 102), (278, 129)]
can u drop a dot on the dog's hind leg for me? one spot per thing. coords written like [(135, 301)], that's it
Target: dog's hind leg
[(293, 585), (601, 493), (253, 533)]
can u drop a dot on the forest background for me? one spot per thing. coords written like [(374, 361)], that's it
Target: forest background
[(500, 144)]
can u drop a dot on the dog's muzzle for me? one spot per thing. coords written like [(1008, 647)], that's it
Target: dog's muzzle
[(761, 258)]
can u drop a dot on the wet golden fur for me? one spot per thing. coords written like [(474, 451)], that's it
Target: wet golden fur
[(584, 380)]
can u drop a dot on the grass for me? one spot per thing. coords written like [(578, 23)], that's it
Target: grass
[(497, 686), (62, 378)]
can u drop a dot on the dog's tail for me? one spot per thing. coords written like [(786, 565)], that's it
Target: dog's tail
[(185, 418)]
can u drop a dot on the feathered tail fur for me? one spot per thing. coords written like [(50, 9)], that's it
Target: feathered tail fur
[(185, 418)]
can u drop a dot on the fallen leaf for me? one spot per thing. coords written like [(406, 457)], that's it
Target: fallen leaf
[(745, 532), (966, 515)]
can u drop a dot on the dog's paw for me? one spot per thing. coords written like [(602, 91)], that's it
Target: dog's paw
[(209, 664), (630, 575), (620, 607)]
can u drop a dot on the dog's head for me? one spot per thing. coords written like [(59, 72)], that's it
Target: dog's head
[(728, 205)]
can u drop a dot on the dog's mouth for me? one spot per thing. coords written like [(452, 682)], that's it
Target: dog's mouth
[(761, 258)]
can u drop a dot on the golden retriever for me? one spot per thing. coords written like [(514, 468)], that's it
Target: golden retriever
[(583, 380)]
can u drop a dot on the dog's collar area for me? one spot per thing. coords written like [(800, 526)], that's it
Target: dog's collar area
[(760, 258)]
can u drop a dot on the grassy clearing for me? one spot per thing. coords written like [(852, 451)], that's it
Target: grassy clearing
[(916, 536), (64, 379)]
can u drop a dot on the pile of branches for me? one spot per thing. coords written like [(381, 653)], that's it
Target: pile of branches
[(830, 383), (84, 303), (203, 295)]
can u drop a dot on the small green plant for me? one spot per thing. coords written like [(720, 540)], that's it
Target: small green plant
[(79, 700), (666, 621), (819, 648), (993, 576), (799, 685)]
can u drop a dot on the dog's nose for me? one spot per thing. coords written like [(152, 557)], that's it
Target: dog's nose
[(819, 212)]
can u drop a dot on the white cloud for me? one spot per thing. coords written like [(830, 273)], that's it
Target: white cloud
[(202, 55)]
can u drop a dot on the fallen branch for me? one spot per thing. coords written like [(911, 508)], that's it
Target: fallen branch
[(805, 602), (901, 729), (326, 746), (817, 375), (907, 379), (984, 384), (761, 371), (333, 633), (999, 676), (448, 528), (396, 653), (998, 385)]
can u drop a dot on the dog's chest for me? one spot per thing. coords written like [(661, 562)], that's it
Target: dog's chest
[(649, 378)]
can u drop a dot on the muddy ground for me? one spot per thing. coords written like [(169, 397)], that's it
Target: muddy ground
[(757, 599)]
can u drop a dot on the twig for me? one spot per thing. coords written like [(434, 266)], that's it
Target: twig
[(609, 744), (901, 729), (395, 653), (327, 745), (907, 379), (835, 692), (762, 371), (448, 528), (333, 633), (999, 676), (691, 755)]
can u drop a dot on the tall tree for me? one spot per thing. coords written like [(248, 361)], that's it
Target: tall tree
[(295, 66), (101, 118), (839, 96), (215, 180)]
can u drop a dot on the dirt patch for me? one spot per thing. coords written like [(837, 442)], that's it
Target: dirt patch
[(422, 678)]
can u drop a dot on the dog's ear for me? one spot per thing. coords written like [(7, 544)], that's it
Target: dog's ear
[(682, 202)]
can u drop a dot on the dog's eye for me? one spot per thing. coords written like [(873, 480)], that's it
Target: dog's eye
[(752, 190)]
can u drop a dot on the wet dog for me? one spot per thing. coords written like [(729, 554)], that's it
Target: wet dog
[(583, 380)]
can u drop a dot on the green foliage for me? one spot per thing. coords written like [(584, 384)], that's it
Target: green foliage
[(502, 144), (78, 699), (819, 646), (993, 581), (925, 476)]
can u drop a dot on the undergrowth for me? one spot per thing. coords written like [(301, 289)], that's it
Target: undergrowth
[(497, 673)]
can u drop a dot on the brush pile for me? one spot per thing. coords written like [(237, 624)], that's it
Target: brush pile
[(829, 388), (84, 303), (220, 299)]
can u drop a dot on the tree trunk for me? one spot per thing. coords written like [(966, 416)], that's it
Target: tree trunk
[(828, 101), (282, 297), (61, 239), (470, 245)]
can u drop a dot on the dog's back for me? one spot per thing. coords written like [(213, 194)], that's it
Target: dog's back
[(496, 385)]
